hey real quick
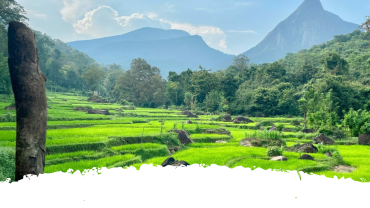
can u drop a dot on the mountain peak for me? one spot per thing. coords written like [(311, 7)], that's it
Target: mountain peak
[(308, 25), (310, 6)]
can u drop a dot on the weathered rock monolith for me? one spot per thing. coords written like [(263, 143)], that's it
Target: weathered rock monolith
[(28, 84)]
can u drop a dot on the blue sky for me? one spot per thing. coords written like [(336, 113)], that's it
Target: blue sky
[(231, 26)]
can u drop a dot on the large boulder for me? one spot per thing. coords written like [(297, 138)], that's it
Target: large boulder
[(259, 115), (84, 109), (175, 148), (364, 139), (273, 128), (10, 107), (172, 162), (308, 131), (168, 161), (188, 122), (186, 112), (183, 136), (242, 119), (306, 157), (279, 158), (322, 138), (96, 99), (307, 148), (93, 111), (254, 142), (179, 163), (227, 118), (189, 114)]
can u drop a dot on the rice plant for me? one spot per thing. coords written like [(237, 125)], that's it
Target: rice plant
[(265, 134)]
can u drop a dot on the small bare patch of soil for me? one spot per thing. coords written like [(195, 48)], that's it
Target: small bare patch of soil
[(344, 169)]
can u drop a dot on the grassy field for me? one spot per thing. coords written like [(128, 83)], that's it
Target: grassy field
[(78, 140)]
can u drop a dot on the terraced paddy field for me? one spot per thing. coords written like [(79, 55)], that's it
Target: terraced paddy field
[(78, 140)]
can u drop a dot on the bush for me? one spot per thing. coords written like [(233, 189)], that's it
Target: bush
[(280, 127), (152, 105), (325, 149), (273, 135), (274, 151), (7, 161), (263, 123), (295, 122), (8, 118)]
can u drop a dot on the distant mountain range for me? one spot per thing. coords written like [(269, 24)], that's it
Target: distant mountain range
[(309, 25), (176, 50), (169, 50)]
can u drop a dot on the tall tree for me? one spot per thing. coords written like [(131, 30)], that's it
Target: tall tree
[(93, 76)]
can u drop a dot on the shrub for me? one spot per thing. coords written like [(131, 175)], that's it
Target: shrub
[(295, 122), (325, 149), (7, 161), (274, 151), (280, 127), (263, 123), (273, 135), (124, 102), (152, 104), (8, 118)]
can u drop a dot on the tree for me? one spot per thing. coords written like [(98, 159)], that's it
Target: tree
[(203, 82), (172, 89), (229, 86), (5, 83), (135, 84), (93, 76), (334, 64), (366, 25), (10, 10), (188, 99), (213, 100), (241, 62), (111, 79)]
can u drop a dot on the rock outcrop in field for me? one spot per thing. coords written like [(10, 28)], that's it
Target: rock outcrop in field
[(93, 111), (322, 138), (364, 139), (183, 136)]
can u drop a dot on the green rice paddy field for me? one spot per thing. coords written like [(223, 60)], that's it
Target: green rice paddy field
[(77, 140)]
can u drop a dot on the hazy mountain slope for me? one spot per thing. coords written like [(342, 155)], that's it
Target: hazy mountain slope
[(170, 50), (142, 34), (176, 54), (309, 25)]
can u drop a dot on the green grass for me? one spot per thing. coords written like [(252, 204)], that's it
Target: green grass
[(131, 147), (78, 135), (69, 155), (88, 164)]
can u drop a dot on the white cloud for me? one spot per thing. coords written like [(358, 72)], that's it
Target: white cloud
[(213, 36), (105, 21), (73, 9), (32, 13)]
